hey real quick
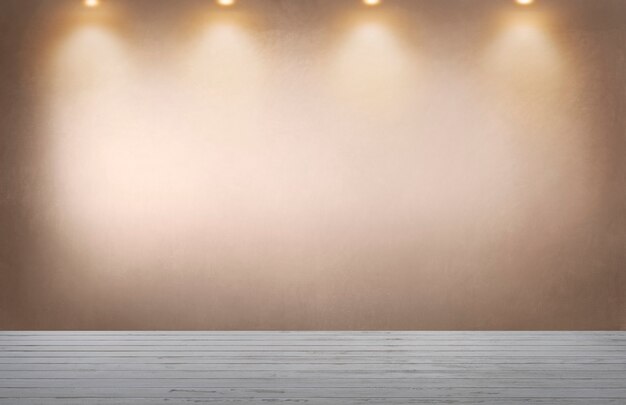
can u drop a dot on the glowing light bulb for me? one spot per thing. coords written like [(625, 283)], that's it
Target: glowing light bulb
[(371, 2), (226, 2), (525, 2), (92, 3)]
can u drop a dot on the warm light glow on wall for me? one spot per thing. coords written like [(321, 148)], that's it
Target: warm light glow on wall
[(527, 70), (169, 153), (92, 3), (226, 2), (525, 2), (89, 76), (263, 152), (372, 2), (523, 52), (223, 60), (371, 67)]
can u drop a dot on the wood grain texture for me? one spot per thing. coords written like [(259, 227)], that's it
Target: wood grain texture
[(343, 368)]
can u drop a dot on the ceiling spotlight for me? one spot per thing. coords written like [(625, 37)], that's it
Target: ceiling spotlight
[(525, 2), (371, 2), (226, 2), (92, 3)]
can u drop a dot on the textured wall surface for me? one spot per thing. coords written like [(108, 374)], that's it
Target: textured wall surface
[(313, 164), (620, 184)]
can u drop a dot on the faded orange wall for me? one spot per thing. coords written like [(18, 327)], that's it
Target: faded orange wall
[(301, 164)]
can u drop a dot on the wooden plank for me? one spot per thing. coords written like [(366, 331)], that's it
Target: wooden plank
[(313, 332), (574, 336), (500, 344), (66, 354), (311, 401), (581, 334), (265, 358), (259, 394), (334, 372), (319, 383), (312, 347), (312, 367), (275, 369)]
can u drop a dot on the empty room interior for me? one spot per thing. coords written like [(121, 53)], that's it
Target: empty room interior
[(316, 202)]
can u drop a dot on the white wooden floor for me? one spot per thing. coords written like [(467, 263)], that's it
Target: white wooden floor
[(338, 368)]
